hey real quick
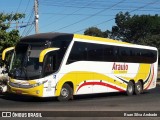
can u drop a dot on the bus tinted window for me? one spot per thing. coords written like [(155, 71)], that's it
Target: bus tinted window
[(95, 52), (110, 53), (82, 51), (78, 53)]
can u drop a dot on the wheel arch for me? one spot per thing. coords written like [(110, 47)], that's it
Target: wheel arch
[(133, 81), (60, 85), (141, 80)]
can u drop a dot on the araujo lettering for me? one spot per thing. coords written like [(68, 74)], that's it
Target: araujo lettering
[(120, 66)]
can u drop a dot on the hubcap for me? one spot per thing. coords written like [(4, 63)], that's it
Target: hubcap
[(138, 88), (64, 92), (130, 89)]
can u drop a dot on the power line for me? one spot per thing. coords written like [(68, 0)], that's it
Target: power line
[(16, 22), (73, 6), (19, 6), (21, 26), (116, 9), (30, 20), (69, 14), (114, 17), (100, 4), (144, 6), (26, 8), (30, 29), (53, 15), (91, 15)]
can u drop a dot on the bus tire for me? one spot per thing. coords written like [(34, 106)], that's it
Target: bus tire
[(130, 88), (66, 93), (138, 88)]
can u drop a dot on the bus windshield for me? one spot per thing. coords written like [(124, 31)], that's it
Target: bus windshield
[(25, 62)]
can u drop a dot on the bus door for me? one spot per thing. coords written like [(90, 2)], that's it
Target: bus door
[(49, 69)]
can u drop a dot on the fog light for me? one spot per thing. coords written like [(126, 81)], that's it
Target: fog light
[(37, 91)]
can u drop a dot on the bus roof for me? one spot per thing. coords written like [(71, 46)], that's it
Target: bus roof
[(99, 39), (43, 37)]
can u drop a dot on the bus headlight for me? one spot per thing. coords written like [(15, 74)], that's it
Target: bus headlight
[(39, 83)]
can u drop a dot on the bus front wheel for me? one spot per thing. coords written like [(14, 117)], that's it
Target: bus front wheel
[(66, 93), (130, 88)]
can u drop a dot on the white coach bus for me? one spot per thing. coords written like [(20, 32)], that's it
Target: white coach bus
[(64, 65)]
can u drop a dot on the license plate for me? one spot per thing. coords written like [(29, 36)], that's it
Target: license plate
[(19, 92)]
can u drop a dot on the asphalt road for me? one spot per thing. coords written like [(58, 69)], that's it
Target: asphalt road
[(148, 101)]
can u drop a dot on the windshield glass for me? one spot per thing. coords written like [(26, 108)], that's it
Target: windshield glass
[(25, 62)]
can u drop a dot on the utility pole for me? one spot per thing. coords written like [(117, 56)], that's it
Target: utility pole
[(36, 15), (17, 25)]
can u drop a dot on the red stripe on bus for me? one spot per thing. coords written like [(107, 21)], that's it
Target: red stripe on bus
[(100, 83), (151, 79)]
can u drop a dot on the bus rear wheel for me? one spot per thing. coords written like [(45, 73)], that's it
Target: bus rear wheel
[(138, 88), (130, 88), (66, 93)]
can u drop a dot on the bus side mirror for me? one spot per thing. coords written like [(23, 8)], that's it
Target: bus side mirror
[(5, 51), (6, 57), (44, 52)]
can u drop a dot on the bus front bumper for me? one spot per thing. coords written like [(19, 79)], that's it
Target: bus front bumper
[(34, 91)]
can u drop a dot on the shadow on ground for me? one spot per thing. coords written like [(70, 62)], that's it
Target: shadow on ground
[(22, 98)]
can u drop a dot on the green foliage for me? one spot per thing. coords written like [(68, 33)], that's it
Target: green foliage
[(139, 29), (94, 31), (135, 28), (129, 28), (8, 37), (151, 40)]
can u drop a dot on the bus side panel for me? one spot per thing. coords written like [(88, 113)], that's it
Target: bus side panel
[(49, 86), (152, 78), (91, 77)]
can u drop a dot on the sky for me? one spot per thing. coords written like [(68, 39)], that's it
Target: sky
[(74, 16)]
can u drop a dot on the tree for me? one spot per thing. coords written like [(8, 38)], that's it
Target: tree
[(8, 37), (139, 29), (135, 28), (153, 40), (94, 31), (130, 28)]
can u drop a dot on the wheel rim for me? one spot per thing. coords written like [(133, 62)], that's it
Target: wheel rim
[(64, 92), (139, 88), (130, 89)]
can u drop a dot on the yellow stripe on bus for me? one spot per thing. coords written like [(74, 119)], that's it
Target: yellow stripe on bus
[(5, 51), (44, 52), (85, 37), (143, 72), (78, 77)]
